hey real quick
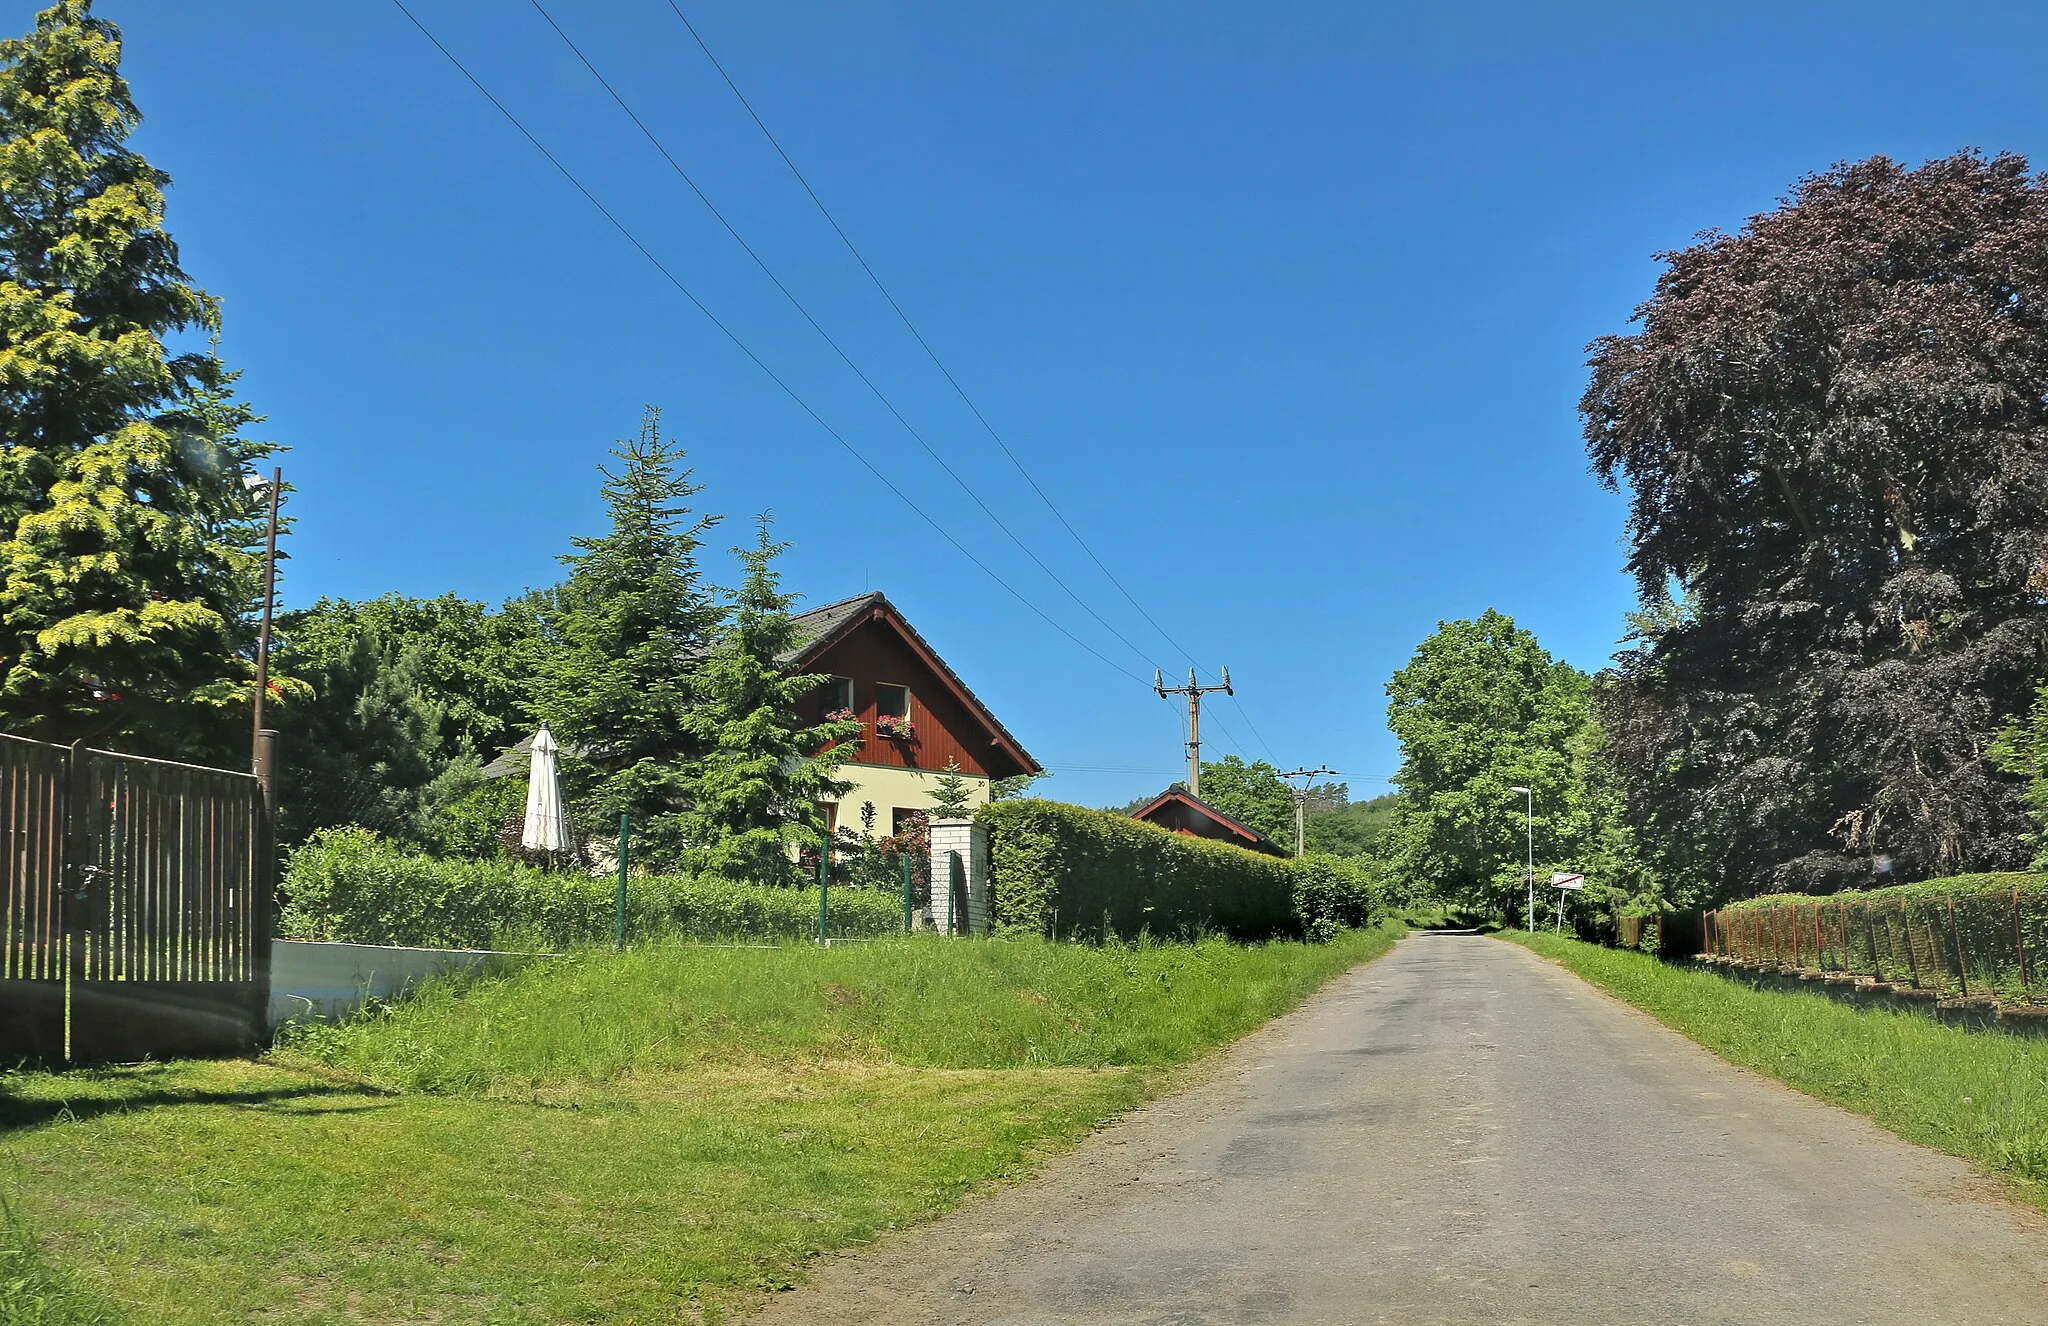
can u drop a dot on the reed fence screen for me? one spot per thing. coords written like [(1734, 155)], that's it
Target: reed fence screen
[(1983, 940)]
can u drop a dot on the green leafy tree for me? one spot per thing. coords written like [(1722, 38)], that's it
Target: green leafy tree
[(405, 699), (476, 663), (1015, 786), (2021, 751), (128, 558), (1834, 435), (1480, 709), (1349, 828), (1252, 794), (766, 768), (370, 748), (628, 629)]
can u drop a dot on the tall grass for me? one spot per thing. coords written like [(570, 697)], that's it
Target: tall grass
[(1982, 1096), (32, 1292), (929, 1003)]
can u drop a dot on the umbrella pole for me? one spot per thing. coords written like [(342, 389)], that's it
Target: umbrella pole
[(619, 926)]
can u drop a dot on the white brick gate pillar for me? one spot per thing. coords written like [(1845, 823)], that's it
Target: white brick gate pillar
[(966, 842)]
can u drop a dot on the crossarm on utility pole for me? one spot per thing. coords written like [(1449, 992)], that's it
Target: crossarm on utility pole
[(1194, 690)]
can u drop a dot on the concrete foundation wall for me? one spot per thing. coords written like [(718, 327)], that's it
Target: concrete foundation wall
[(330, 981)]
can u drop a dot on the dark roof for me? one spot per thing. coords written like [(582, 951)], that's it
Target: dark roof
[(821, 628), (818, 630), (1179, 795)]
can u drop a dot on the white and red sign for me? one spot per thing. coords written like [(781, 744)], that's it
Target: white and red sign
[(1567, 881)]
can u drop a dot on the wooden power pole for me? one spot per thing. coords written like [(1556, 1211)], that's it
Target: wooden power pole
[(1194, 690), (1307, 776)]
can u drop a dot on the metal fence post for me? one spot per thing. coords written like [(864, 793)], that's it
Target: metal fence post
[(2019, 940), (1956, 937), (619, 920), (824, 881)]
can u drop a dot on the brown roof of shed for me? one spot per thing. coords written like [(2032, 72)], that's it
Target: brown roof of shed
[(1178, 794)]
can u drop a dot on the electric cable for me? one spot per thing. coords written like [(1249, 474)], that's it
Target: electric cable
[(926, 346), (826, 336), (743, 347)]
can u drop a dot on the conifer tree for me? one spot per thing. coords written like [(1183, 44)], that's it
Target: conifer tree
[(766, 767), (632, 621), (950, 798), (127, 558)]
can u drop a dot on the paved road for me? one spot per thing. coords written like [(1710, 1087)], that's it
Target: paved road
[(1462, 1132)]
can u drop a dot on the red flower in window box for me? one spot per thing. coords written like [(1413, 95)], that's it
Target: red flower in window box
[(889, 725), (841, 716)]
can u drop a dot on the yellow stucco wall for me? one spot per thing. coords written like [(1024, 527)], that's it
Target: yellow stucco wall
[(892, 788)]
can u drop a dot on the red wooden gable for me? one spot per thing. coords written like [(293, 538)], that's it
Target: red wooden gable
[(867, 641)]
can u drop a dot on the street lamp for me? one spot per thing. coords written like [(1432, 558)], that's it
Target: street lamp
[(1531, 798)]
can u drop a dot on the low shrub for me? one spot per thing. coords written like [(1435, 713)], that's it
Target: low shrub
[(1967, 934), (1074, 871), (1332, 893), (349, 885)]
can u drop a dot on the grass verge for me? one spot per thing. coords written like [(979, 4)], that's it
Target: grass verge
[(1982, 1096), (646, 1137)]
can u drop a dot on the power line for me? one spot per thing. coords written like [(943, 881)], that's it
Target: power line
[(926, 346), (744, 349), (824, 335)]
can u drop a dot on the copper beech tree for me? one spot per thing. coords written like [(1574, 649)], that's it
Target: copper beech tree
[(1833, 427)]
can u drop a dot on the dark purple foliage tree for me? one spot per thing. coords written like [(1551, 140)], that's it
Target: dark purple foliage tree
[(1834, 426)]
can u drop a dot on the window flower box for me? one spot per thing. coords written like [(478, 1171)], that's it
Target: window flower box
[(891, 725), (842, 716)]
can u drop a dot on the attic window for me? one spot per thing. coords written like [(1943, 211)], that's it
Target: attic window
[(837, 694), (891, 700)]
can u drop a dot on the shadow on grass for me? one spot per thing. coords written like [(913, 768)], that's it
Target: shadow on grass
[(30, 1111)]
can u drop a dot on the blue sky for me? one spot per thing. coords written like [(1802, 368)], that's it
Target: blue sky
[(1286, 307)]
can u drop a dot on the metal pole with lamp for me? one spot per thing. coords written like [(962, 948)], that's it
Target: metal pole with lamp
[(1531, 797)]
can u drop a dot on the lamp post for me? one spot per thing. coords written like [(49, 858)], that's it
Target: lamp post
[(1530, 797), (263, 742)]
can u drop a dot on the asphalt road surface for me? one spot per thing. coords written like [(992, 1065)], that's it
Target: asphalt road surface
[(1462, 1132)]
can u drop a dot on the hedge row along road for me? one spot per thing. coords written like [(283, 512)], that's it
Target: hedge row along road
[(1463, 1132)]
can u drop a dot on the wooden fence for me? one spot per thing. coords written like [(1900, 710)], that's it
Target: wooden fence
[(136, 899)]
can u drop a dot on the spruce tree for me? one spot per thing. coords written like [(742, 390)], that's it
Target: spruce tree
[(950, 798), (766, 767), (631, 623), (128, 558)]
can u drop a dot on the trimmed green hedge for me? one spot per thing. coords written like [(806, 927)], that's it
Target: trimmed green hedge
[(351, 886), (1974, 934), (1096, 872)]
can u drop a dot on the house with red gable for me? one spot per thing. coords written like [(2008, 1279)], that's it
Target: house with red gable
[(916, 714)]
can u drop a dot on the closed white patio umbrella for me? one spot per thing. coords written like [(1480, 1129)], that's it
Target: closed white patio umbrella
[(547, 816)]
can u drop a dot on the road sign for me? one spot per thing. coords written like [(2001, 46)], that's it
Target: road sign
[(1567, 881)]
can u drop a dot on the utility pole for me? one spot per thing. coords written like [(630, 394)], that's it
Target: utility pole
[(1194, 690), (1307, 776), (263, 741)]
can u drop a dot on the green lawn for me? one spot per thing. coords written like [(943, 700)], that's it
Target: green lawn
[(634, 1138), (1982, 1096)]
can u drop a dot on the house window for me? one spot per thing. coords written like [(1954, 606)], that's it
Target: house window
[(838, 693), (904, 818), (891, 700)]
